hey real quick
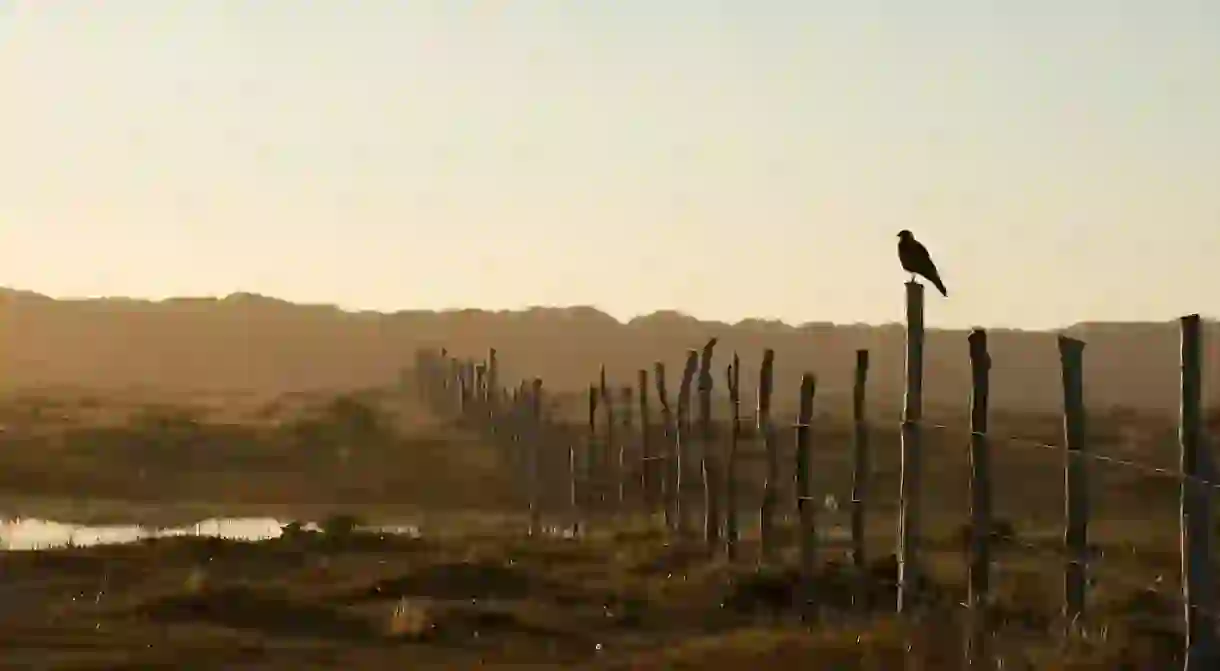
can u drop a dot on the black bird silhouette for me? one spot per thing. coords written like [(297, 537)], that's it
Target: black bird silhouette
[(915, 260)]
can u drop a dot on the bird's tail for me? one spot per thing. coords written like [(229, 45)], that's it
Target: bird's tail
[(940, 286)]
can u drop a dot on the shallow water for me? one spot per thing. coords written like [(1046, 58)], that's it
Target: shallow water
[(40, 534), (29, 533)]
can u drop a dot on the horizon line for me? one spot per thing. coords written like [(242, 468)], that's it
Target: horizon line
[(634, 320)]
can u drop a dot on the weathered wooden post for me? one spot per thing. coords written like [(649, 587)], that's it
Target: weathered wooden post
[(710, 458), (493, 382), (647, 467), (448, 391), (465, 383), (731, 531), (912, 454), (591, 485), (453, 393), (610, 448), (861, 471), (979, 584), (770, 500), (1198, 588), (668, 456), (574, 516), (804, 496), (452, 401), (682, 440), (480, 390), (447, 396), (1076, 533), (514, 443), (534, 447), (625, 460)]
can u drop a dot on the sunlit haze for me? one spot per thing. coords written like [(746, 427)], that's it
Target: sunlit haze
[(726, 159)]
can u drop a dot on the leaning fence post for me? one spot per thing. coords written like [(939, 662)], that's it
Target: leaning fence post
[(709, 454), (573, 490), (609, 473), (480, 390), (804, 495), (912, 461), (862, 466), (447, 393), (493, 382), (682, 440), (463, 390), (452, 400), (731, 532), (535, 437), (1076, 533), (592, 474), (668, 456), (980, 500), (647, 467), (770, 499), (514, 442), (1196, 500)]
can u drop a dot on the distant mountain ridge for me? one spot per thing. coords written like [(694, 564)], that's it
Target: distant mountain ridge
[(246, 341)]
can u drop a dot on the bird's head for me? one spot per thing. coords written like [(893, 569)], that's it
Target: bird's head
[(904, 234)]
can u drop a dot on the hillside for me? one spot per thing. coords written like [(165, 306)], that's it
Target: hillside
[(259, 344)]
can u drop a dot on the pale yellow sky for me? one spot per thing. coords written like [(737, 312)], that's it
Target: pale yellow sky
[(727, 159)]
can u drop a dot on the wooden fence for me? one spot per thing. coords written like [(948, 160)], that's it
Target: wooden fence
[(662, 464)]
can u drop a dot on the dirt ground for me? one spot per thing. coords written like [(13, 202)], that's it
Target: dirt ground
[(623, 600)]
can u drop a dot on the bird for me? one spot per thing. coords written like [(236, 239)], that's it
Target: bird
[(915, 260)]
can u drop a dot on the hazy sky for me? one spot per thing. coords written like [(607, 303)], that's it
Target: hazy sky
[(727, 159)]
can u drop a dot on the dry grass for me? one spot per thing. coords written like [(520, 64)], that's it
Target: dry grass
[(619, 601), (471, 600)]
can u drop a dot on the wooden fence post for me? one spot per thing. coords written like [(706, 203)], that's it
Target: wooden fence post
[(709, 455), (647, 467), (669, 454), (493, 382), (535, 437), (912, 457), (1076, 498), (1198, 589), (609, 473), (457, 395), (452, 400), (682, 440), (626, 462), (770, 501), (574, 516), (465, 373), (978, 589), (480, 388), (731, 531), (513, 444), (804, 495), (592, 473), (861, 471), (448, 360)]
